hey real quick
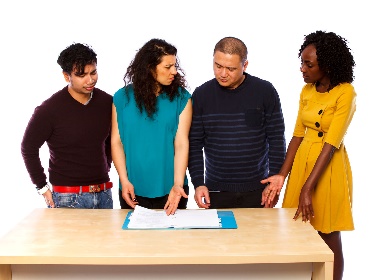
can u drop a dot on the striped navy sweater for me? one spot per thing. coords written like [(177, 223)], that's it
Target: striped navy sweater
[(239, 132)]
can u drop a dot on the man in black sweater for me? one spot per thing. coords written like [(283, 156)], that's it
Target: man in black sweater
[(237, 133), (75, 122)]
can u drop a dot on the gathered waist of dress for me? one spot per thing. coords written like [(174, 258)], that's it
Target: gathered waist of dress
[(313, 135)]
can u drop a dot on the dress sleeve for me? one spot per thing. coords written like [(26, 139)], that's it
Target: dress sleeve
[(299, 130), (345, 109)]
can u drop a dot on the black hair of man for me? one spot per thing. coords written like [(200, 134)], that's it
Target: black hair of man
[(75, 58)]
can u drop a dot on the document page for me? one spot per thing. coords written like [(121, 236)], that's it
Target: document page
[(144, 218), (147, 218), (204, 218)]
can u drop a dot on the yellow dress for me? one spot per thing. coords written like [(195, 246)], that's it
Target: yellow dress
[(324, 117)]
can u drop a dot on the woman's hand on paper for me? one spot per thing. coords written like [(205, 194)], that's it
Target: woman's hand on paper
[(175, 195)]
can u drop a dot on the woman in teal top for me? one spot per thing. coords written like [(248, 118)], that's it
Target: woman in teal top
[(150, 124)]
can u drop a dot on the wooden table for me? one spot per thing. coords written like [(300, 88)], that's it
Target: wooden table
[(95, 237)]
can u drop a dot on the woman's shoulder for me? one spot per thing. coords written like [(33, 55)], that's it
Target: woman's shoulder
[(124, 89), (347, 87), (184, 93), (308, 87), (345, 91), (121, 93)]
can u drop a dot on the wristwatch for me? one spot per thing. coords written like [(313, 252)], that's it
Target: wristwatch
[(44, 189)]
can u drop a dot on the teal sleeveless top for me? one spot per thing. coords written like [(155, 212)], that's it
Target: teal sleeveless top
[(149, 142)]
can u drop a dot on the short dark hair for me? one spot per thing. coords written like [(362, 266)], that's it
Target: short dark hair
[(232, 45), (333, 56), (76, 56)]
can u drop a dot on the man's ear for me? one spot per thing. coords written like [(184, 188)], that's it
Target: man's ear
[(66, 77), (245, 65)]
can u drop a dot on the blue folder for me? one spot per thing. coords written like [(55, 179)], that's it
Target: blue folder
[(227, 221)]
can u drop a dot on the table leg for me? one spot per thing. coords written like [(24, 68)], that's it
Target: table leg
[(322, 271), (5, 272)]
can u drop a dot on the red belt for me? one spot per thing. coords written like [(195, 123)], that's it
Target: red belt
[(78, 189)]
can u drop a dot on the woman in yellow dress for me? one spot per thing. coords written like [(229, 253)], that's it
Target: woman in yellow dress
[(320, 177)]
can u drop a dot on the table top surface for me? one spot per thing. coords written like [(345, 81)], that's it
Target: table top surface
[(95, 236)]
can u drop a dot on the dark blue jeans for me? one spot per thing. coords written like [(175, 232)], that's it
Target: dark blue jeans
[(86, 200)]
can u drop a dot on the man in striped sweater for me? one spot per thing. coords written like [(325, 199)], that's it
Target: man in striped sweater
[(237, 133)]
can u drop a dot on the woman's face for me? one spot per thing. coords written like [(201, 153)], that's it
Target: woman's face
[(166, 70), (309, 65)]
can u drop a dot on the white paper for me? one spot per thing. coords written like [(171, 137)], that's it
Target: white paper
[(144, 218)]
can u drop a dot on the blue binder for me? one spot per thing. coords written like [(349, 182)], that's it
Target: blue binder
[(227, 221)]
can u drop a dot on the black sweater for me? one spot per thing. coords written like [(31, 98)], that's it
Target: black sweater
[(240, 132), (78, 138)]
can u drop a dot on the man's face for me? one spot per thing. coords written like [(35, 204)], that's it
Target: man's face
[(228, 69), (84, 83)]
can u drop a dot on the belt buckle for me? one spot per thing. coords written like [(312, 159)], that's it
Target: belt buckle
[(94, 188)]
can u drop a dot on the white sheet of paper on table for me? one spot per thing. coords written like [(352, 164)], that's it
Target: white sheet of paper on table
[(143, 218)]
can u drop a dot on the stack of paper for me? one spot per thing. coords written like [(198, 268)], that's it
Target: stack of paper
[(144, 218)]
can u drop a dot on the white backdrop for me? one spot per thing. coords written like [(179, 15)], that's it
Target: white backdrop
[(33, 33)]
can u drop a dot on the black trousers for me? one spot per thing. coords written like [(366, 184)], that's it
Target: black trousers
[(250, 199), (154, 203)]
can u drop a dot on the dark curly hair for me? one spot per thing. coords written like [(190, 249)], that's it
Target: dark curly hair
[(140, 74), (76, 56), (333, 56)]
